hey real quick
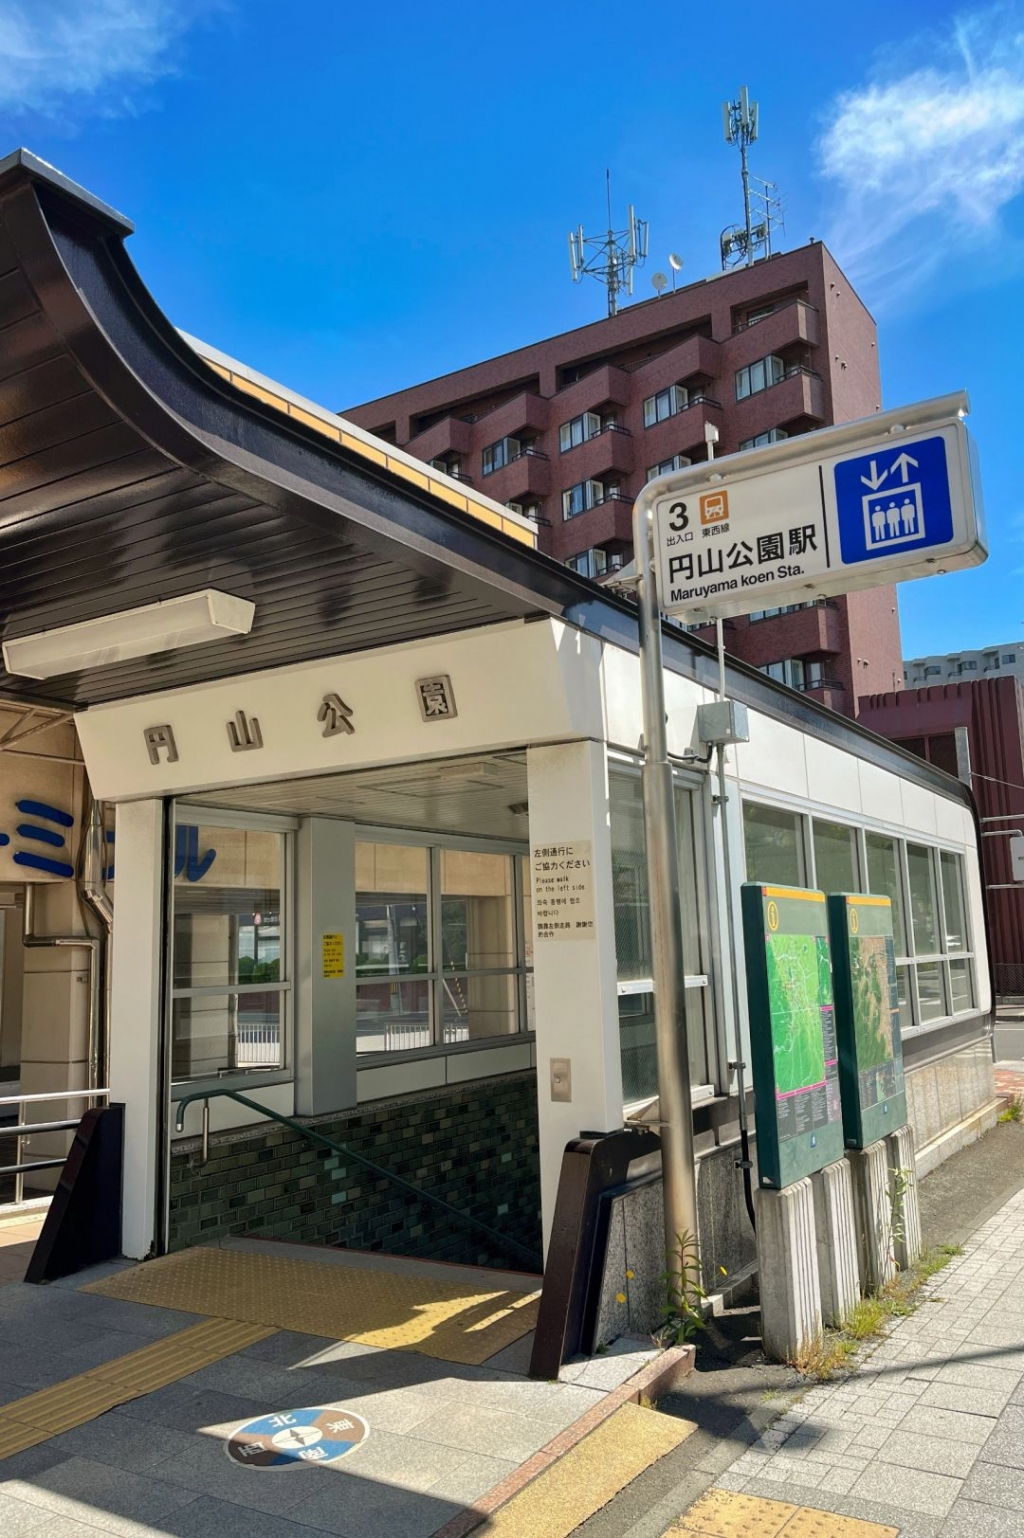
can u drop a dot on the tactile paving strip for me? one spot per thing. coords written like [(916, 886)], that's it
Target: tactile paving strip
[(26, 1422), (455, 1321), (726, 1514), (589, 1475)]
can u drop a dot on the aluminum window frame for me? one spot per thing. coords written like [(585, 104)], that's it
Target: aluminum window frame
[(191, 814), (436, 974)]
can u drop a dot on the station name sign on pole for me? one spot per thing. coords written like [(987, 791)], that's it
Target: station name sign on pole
[(889, 498)]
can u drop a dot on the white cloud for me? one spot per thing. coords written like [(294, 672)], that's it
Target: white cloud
[(924, 160), (95, 52)]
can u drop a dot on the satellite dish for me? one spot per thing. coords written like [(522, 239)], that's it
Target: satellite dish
[(675, 262), (660, 282)]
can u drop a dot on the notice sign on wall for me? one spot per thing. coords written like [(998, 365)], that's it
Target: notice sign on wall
[(563, 890), (333, 951)]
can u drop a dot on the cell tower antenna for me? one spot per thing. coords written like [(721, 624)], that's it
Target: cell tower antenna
[(742, 243), (610, 258)]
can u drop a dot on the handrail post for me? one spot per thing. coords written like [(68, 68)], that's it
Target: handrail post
[(19, 1179)]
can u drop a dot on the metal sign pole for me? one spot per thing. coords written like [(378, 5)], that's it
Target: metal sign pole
[(675, 1109)]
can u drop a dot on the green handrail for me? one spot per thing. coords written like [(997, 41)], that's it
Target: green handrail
[(504, 1241)]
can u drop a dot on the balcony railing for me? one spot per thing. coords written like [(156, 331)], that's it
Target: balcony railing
[(744, 325), (813, 685)]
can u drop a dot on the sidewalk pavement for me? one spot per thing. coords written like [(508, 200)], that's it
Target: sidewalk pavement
[(925, 1439), (115, 1415)]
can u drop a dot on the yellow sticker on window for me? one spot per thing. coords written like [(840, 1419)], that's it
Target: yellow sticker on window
[(333, 950)]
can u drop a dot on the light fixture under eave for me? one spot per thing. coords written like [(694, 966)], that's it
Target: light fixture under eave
[(191, 620)]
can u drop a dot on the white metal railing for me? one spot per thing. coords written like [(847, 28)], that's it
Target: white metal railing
[(22, 1129)]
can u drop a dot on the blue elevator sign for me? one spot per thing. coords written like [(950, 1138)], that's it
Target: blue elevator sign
[(887, 499), (894, 501)]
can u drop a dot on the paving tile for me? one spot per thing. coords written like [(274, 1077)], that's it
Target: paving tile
[(120, 1441), (907, 1489), (84, 1491), (979, 1375), (933, 1455), (958, 1426), (468, 1476), (969, 1401), (495, 1433), (17, 1516), (971, 1519), (995, 1484), (203, 1469), (206, 1518), (1006, 1444), (362, 1508)]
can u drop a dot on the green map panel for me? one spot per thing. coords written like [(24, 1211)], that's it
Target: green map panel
[(867, 1018), (792, 1032)]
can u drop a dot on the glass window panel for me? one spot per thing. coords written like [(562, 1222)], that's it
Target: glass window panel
[(930, 992), (393, 1015), (629, 879), (923, 915), (961, 990), (906, 1006), (774, 845), (884, 881), (835, 857), (477, 919), (228, 885), (477, 1005), (952, 866), (391, 910), (221, 1033), (637, 1047)]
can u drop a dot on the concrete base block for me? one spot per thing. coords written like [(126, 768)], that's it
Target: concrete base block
[(869, 1168), (836, 1228), (903, 1193), (788, 1262)]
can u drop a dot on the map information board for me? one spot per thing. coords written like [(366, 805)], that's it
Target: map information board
[(792, 1032), (867, 1018)]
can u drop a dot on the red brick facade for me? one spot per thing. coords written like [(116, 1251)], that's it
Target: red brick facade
[(797, 306)]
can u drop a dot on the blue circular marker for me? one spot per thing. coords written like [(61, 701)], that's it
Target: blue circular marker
[(293, 1439)]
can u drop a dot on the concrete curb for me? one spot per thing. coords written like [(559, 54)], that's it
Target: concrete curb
[(655, 1380)]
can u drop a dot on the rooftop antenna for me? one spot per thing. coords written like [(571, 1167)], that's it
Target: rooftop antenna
[(676, 264), (741, 244), (612, 256)]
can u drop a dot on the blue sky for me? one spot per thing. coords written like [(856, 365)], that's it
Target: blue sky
[(352, 199)]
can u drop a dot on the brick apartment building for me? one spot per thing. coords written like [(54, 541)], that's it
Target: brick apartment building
[(568, 430)]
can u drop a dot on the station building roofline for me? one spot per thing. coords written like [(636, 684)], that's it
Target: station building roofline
[(133, 469)]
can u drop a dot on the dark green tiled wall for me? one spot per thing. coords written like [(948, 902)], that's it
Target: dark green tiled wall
[(475, 1146)]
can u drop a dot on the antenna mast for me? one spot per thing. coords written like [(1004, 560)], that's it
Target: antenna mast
[(741, 244), (612, 255)]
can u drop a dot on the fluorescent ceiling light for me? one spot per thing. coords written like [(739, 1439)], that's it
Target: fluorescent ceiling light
[(157, 627)]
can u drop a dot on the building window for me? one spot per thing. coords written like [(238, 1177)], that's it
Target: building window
[(497, 455), (441, 948), (633, 939), (1009, 658), (585, 495), (836, 865), (594, 563), (667, 403), (774, 843), (933, 672), (677, 462), (230, 976), (759, 376), (529, 510), (773, 435), (578, 430), (790, 672), (969, 667)]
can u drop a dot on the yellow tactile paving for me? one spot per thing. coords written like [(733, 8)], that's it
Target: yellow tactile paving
[(726, 1514), (28, 1421), (589, 1475), (456, 1321)]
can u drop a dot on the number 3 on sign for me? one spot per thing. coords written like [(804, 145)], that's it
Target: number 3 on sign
[(678, 518)]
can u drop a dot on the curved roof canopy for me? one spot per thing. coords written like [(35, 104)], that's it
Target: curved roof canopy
[(133, 469)]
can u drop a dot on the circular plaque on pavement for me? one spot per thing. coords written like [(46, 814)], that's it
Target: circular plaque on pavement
[(291, 1439)]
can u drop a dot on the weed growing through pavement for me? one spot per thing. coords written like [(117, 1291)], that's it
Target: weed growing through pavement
[(684, 1294), (902, 1180), (1014, 1110), (832, 1351)]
